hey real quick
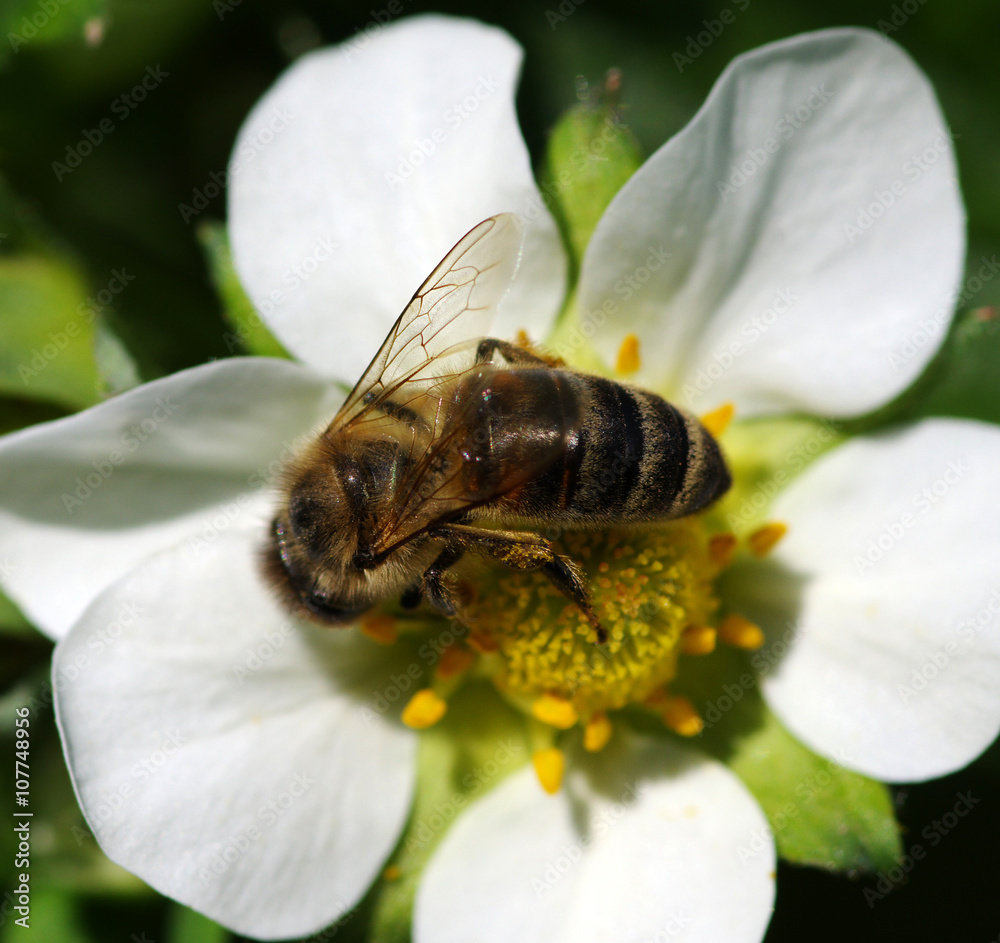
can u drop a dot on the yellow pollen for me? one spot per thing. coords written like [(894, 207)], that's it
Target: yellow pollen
[(556, 711), (424, 710), (764, 538), (381, 628), (646, 586), (698, 640), (596, 733), (392, 873), (717, 421), (721, 547), (681, 717), (550, 764), (739, 632), (454, 660), (628, 355)]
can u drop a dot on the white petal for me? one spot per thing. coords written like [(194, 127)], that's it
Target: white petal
[(226, 754), (768, 297), (362, 167), (893, 661), (650, 841), (84, 499)]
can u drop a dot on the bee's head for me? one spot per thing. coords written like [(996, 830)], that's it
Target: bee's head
[(314, 537)]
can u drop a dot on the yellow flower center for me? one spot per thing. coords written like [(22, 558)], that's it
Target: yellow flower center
[(647, 586)]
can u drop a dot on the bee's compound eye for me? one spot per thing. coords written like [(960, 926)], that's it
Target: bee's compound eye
[(330, 610)]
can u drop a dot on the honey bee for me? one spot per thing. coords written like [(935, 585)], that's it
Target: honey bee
[(454, 442)]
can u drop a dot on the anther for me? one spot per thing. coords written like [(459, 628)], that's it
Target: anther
[(739, 632)]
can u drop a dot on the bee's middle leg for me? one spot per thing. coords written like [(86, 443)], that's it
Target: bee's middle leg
[(433, 585), (522, 551)]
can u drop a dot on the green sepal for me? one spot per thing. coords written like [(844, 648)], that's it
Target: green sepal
[(590, 156), (188, 926), (820, 812), (477, 745), (248, 333), (49, 332)]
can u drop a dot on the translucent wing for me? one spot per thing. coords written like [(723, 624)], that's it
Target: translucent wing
[(453, 307)]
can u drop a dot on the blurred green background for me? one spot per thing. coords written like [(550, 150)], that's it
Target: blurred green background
[(112, 224)]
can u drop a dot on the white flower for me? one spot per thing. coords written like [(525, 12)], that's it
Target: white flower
[(234, 760)]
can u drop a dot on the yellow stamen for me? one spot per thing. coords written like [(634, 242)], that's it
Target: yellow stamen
[(596, 733), (550, 764), (717, 421), (628, 355), (454, 660), (381, 628), (721, 547), (698, 640), (556, 711), (739, 632), (424, 710), (764, 538), (681, 717), (392, 873)]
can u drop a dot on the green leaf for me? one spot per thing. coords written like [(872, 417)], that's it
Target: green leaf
[(188, 926), (478, 744), (820, 812), (48, 332), (590, 156), (249, 332)]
